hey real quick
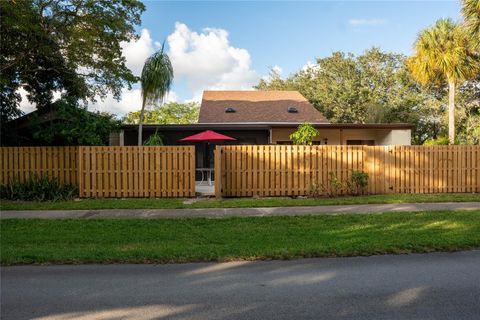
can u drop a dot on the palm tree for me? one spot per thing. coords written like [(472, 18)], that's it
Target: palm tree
[(471, 14), (444, 53), (156, 80)]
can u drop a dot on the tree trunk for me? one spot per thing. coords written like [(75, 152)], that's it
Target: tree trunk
[(451, 112), (140, 125)]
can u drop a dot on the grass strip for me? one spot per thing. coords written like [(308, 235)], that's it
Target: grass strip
[(38, 241)]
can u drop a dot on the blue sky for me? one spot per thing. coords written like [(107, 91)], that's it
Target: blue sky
[(232, 45), (288, 33)]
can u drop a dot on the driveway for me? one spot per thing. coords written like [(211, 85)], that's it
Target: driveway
[(428, 286)]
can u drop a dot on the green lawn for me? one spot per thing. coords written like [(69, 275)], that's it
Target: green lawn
[(133, 203), (26, 241)]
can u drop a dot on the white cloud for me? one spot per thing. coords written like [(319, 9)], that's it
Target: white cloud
[(310, 69), (277, 69), (26, 106), (310, 66), (367, 22), (172, 97), (206, 60), (137, 51), (130, 100), (274, 71)]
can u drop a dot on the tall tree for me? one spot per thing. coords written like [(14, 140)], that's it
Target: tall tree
[(156, 80), (444, 52), (332, 85), (471, 14), (64, 122), (168, 113), (468, 128), (70, 46), (375, 87)]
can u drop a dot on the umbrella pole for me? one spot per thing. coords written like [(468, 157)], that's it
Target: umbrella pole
[(205, 156), (208, 155)]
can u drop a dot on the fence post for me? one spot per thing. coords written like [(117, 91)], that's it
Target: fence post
[(79, 171), (218, 171)]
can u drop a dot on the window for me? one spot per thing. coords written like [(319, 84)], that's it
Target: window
[(361, 142), (229, 110), (292, 110)]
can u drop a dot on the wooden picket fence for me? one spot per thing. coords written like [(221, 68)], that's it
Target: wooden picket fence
[(243, 171), (18, 163), (283, 170), (137, 171), (107, 171)]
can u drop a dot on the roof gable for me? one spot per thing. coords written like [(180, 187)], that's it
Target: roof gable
[(257, 106)]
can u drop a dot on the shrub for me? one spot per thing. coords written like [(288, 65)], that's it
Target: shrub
[(358, 182), (335, 184), (37, 188), (356, 185), (437, 142), (155, 139)]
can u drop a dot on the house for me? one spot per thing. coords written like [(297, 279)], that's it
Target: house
[(266, 117)]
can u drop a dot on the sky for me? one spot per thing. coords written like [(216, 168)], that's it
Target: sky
[(232, 45)]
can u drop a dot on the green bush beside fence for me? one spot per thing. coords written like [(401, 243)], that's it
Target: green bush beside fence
[(38, 188)]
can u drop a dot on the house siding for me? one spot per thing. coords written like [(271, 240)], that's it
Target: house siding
[(341, 136)]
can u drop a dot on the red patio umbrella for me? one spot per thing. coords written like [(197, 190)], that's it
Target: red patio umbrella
[(207, 136)]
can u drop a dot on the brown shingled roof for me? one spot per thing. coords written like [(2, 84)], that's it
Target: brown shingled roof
[(257, 106)]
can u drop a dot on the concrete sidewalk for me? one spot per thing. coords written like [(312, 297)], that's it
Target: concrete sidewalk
[(227, 212)]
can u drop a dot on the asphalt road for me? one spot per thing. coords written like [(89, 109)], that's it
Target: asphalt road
[(428, 286)]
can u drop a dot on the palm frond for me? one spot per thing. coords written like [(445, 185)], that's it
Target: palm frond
[(443, 51), (157, 77), (156, 80), (471, 14)]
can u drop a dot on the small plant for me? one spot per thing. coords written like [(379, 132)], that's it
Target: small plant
[(437, 142), (335, 184), (304, 134), (358, 182), (37, 188), (316, 190), (155, 139)]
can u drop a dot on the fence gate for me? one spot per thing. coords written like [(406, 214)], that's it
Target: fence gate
[(125, 171)]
